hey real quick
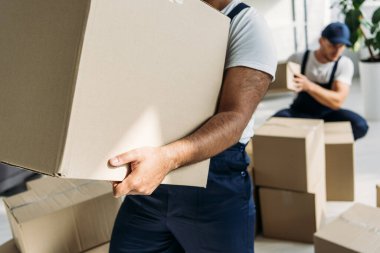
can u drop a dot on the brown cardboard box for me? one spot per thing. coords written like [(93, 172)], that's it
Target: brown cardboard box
[(378, 194), (83, 81), (74, 219), (291, 215), (9, 247), (289, 154), (356, 230), (340, 169), (101, 249), (284, 77)]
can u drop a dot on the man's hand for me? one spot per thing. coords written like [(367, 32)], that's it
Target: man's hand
[(302, 83), (148, 167)]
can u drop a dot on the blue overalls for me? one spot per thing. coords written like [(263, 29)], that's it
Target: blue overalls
[(178, 219), (305, 106)]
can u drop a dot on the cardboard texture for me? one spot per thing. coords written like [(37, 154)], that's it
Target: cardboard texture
[(291, 215), (378, 194), (101, 249), (72, 219), (292, 69), (356, 230), (289, 154), (340, 164), (9, 247), (284, 77), (83, 81)]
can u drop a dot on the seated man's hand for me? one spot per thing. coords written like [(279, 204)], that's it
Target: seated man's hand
[(302, 83), (148, 167)]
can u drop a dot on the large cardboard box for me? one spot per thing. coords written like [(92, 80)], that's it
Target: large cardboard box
[(356, 230), (340, 165), (289, 154), (77, 217), (101, 249), (9, 247), (291, 215), (83, 81)]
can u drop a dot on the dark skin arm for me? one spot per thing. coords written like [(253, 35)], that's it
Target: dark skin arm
[(242, 90)]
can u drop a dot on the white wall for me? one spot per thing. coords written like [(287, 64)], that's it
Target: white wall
[(279, 15)]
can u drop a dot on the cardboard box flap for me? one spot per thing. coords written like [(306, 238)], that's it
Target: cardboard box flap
[(357, 229), (38, 55), (51, 185), (294, 128), (29, 205), (338, 133)]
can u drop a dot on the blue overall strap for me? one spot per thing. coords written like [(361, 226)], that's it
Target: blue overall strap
[(304, 62), (333, 73), (235, 11)]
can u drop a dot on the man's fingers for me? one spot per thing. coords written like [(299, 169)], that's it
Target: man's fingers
[(120, 189), (125, 158)]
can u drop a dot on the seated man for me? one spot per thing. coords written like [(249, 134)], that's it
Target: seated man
[(325, 80)]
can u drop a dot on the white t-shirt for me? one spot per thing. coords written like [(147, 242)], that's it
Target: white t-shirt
[(320, 72), (250, 45)]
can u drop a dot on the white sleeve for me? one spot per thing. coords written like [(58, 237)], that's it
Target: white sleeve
[(250, 43), (345, 71)]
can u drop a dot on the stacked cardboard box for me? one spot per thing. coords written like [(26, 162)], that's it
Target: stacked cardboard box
[(289, 162), (356, 230), (57, 215), (83, 81), (339, 161), (10, 247)]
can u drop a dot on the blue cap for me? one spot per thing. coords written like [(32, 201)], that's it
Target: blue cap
[(337, 33)]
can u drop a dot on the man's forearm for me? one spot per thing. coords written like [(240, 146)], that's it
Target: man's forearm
[(225, 128), (324, 96), (220, 132)]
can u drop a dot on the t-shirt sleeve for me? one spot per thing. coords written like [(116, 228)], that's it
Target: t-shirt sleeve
[(345, 71), (250, 43)]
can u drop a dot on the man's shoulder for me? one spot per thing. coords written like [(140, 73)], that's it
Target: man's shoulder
[(345, 60), (345, 63)]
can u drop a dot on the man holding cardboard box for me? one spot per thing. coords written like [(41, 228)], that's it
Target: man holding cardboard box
[(219, 218), (324, 81)]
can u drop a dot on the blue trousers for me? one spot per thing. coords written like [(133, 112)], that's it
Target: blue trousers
[(179, 219), (358, 123)]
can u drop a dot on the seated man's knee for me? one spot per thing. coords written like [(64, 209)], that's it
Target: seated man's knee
[(285, 113), (360, 129)]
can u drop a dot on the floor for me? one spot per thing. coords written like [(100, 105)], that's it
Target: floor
[(367, 174)]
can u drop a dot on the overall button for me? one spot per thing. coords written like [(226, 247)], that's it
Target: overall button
[(243, 173)]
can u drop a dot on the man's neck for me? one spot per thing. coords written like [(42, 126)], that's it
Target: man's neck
[(320, 57), (218, 4)]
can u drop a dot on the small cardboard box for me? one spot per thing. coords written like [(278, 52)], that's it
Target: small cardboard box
[(83, 81), (289, 154), (356, 230), (340, 165), (285, 77), (101, 249), (378, 195), (71, 218), (9, 247), (291, 215)]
